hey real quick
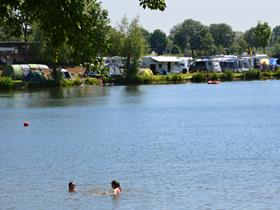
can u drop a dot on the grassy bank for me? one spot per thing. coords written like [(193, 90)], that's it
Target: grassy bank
[(6, 83), (199, 77)]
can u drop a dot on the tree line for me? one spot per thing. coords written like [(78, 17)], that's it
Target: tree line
[(79, 31)]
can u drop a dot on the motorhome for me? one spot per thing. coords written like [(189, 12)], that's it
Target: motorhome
[(235, 64), (206, 64), (163, 64)]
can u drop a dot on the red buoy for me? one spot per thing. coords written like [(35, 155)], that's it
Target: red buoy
[(25, 124)]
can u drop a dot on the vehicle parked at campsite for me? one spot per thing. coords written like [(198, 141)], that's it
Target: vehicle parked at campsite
[(235, 65), (66, 74), (209, 65)]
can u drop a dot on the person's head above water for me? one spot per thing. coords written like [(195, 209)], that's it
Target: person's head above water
[(71, 187), (116, 186)]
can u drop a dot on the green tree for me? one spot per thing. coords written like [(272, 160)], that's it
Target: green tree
[(4, 36), (276, 49), (208, 44), (222, 34), (175, 50), (275, 34), (81, 25), (132, 44), (17, 25), (249, 37), (262, 35), (158, 41), (147, 36), (116, 42), (153, 4), (40, 52), (239, 45), (189, 35)]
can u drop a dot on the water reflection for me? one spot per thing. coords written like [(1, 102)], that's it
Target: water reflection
[(132, 94), (55, 97), (132, 90)]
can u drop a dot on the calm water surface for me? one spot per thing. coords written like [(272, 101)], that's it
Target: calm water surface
[(190, 146)]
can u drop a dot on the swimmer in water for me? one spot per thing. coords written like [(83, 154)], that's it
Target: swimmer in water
[(71, 187), (116, 187)]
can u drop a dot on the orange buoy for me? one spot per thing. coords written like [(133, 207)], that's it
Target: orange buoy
[(25, 124)]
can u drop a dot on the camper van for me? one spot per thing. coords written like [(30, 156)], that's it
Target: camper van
[(163, 64), (209, 65), (235, 64)]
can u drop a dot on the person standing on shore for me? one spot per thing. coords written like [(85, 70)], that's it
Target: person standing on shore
[(116, 187)]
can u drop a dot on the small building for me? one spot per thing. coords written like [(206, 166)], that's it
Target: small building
[(162, 64), (12, 52)]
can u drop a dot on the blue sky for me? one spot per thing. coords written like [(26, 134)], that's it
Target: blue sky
[(240, 14)]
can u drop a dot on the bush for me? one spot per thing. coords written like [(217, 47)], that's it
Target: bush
[(251, 75), (266, 75), (145, 72), (175, 77), (6, 83), (91, 81), (213, 76), (144, 79), (159, 78), (70, 83), (199, 77), (227, 76), (276, 74)]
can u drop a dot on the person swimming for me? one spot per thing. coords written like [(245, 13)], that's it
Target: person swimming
[(116, 187), (71, 187)]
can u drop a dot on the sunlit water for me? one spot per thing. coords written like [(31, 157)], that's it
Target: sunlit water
[(189, 146)]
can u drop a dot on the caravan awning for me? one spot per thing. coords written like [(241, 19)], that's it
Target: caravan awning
[(165, 59)]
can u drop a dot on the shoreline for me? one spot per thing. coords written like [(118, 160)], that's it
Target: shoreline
[(7, 84)]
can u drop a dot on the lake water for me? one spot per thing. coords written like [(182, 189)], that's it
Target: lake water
[(187, 146)]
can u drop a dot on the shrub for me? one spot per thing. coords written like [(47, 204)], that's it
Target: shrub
[(159, 78), (6, 83), (213, 76), (276, 74), (266, 75), (77, 82), (70, 83), (175, 77), (91, 81), (251, 75), (144, 79), (145, 72), (198, 77), (227, 76)]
